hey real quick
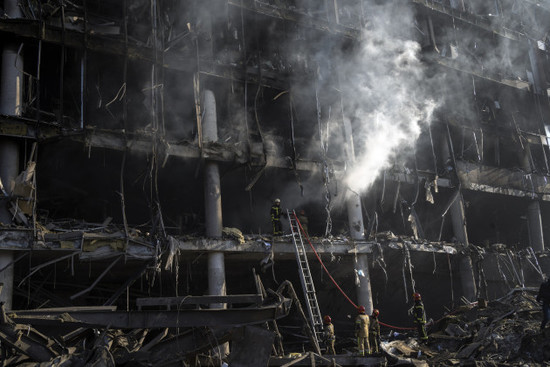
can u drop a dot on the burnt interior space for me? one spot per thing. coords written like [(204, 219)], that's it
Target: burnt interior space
[(502, 220), (118, 94), (294, 123)]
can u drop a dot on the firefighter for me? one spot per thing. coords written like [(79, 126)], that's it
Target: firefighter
[(419, 315), (374, 332), (328, 335), (544, 296), (276, 213), (362, 331)]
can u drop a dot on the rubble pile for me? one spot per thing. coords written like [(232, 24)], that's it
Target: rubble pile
[(504, 332), (164, 331)]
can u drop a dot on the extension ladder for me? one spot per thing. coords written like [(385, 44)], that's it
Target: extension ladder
[(305, 277)]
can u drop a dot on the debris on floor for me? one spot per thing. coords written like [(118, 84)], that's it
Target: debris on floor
[(504, 333), (189, 335)]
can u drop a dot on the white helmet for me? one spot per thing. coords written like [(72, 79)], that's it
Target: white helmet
[(278, 201)]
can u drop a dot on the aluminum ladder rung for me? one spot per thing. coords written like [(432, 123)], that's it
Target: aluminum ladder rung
[(305, 277)]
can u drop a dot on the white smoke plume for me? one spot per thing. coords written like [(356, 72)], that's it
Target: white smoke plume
[(387, 92)]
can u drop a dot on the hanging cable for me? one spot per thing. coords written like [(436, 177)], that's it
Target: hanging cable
[(334, 281), (322, 264)]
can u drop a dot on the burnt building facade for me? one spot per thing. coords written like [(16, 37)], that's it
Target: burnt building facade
[(143, 143)]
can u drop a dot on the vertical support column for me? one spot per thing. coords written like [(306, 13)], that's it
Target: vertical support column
[(11, 82), (534, 218), (9, 167), (357, 232), (11, 92), (535, 226), (336, 14), (355, 219), (539, 83), (11, 86), (537, 69), (458, 219), (355, 216), (467, 279), (364, 290), (213, 202), (458, 215)]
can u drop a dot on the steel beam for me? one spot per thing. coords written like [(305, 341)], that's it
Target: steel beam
[(299, 18), (472, 19), (23, 342), (154, 319), (199, 300)]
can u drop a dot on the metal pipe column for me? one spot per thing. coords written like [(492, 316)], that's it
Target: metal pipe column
[(539, 83), (535, 226), (467, 279), (458, 215), (534, 218), (11, 92), (355, 219), (213, 202), (9, 168), (458, 219), (466, 269), (363, 288), (357, 232)]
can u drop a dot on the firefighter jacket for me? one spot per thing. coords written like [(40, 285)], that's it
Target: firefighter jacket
[(418, 313), (328, 332), (362, 326), (544, 292), (374, 327), (276, 212)]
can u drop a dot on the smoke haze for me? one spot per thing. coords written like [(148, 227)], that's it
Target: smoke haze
[(387, 92)]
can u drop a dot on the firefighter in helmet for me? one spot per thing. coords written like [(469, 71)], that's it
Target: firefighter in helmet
[(374, 332), (362, 331), (276, 213), (419, 315), (328, 334)]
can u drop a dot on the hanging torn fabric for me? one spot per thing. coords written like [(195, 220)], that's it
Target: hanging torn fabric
[(429, 195)]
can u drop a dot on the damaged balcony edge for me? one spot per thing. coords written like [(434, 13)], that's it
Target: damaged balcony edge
[(477, 177), (517, 84), (106, 247), (471, 19), (302, 19), (140, 142), (154, 318)]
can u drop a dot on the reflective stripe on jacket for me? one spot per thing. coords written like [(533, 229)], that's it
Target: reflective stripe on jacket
[(329, 332), (418, 313), (276, 212), (362, 326)]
